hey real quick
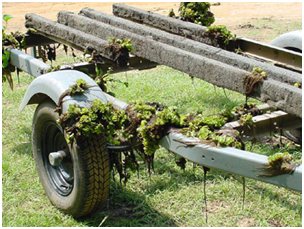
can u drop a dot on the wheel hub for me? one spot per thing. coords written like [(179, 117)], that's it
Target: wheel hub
[(57, 160)]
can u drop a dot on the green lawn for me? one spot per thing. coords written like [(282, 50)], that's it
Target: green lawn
[(171, 196)]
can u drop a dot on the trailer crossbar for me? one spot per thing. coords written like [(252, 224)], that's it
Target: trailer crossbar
[(231, 160), (227, 159)]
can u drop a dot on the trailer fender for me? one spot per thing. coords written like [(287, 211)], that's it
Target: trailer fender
[(52, 85), (291, 40)]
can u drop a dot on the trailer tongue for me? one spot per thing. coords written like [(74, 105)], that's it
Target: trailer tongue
[(76, 185)]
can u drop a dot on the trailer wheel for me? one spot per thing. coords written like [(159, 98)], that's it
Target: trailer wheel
[(75, 177)]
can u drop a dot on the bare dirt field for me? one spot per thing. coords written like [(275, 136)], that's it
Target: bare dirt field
[(232, 14)]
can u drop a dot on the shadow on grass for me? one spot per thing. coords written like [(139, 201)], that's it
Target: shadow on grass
[(128, 209), (132, 209)]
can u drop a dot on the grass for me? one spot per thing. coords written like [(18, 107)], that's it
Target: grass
[(175, 89), (171, 196)]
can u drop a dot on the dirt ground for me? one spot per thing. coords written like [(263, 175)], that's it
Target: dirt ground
[(230, 14)]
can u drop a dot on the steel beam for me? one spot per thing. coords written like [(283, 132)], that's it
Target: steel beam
[(266, 124), (134, 63), (28, 63), (271, 52), (231, 160)]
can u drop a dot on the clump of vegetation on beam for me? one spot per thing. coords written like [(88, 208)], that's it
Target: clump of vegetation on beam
[(141, 126)]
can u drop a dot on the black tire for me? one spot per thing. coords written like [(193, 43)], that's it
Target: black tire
[(80, 184)]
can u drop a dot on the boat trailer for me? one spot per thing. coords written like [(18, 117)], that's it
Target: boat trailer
[(159, 40)]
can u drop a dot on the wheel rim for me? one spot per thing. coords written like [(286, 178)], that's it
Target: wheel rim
[(61, 176)]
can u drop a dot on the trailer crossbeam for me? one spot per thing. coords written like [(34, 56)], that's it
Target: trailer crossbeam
[(231, 160), (228, 159)]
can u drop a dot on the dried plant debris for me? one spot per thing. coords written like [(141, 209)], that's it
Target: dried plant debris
[(181, 162), (247, 108), (278, 164), (257, 75)]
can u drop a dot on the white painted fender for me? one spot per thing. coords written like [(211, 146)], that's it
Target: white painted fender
[(52, 85), (291, 40)]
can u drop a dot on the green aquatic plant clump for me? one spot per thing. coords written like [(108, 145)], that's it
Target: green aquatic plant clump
[(120, 49), (246, 120), (212, 122), (141, 126), (279, 158), (9, 40), (78, 88), (259, 71), (221, 34), (100, 118), (141, 123), (122, 43), (205, 129), (196, 12), (154, 124)]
